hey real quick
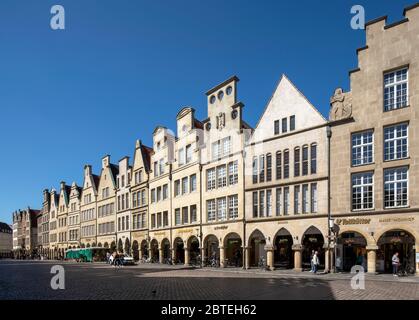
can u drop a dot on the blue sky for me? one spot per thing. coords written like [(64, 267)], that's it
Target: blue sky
[(120, 68)]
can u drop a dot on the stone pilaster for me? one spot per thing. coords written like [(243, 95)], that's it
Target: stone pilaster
[(187, 258), (371, 258), (270, 256), (298, 248), (222, 257)]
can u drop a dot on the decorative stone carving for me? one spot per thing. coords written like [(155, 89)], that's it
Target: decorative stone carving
[(341, 105), (221, 121)]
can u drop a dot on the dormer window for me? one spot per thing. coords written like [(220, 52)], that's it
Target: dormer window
[(212, 99)]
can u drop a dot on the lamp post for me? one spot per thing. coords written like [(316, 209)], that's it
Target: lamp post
[(329, 215)]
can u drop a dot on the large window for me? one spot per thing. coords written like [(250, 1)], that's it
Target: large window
[(177, 217), (184, 185), (305, 198), (221, 208), (296, 162), (297, 206), (233, 172), (268, 167), (362, 191), (396, 142), (193, 183), (278, 201), (193, 213), (396, 89), (262, 168), (292, 123), (286, 200), (286, 164), (255, 204), (276, 127), (269, 203), (305, 160), (211, 179), (395, 187), (188, 153), (211, 210), (362, 148), (261, 203), (255, 169), (221, 176), (314, 197), (233, 207), (313, 158), (278, 165), (185, 215)]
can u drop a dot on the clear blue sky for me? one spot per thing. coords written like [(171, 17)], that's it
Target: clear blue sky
[(122, 67)]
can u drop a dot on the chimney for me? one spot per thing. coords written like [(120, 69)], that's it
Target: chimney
[(138, 143), (62, 185), (87, 170)]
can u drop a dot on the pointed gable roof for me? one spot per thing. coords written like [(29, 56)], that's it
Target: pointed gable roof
[(287, 100)]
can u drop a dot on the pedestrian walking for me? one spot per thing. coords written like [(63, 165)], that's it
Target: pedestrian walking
[(395, 261), (311, 261), (315, 260)]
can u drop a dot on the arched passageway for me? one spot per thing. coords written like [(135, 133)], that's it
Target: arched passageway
[(312, 241), (396, 241), (233, 250), (284, 255)]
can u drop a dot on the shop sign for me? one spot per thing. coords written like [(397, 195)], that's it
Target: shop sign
[(221, 228), (352, 221), (160, 233), (405, 219), (395, 240), (282, 222), (312, 239), (185, 230)]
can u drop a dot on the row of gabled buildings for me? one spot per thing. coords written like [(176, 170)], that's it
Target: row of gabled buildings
[(296, 183)]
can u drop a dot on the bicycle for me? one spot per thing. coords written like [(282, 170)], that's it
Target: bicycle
[(262, 264)]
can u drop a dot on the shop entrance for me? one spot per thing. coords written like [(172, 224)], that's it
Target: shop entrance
[(351, 251), (135, 251), (165, 244), (284, 255), (144, 249), (396, 241), (154, 251), (312, 241), (257, 244), (179, 251), (233, 250), (212, 250), (194, 254)]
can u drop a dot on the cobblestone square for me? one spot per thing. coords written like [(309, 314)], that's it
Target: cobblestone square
[(31, 280)]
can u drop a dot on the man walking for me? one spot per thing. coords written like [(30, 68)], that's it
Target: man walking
[(395, 261), (315, 261)]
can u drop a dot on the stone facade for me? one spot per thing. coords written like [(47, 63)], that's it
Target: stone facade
[(6, 240), (221, 191), (25, 232), (383, 225)]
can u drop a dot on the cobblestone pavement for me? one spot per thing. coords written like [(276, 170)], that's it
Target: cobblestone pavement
[(31, 280)]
